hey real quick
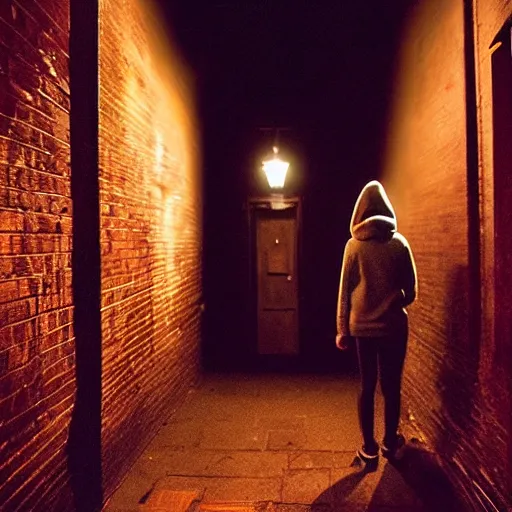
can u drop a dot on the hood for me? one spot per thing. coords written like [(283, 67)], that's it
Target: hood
[(373, 215)]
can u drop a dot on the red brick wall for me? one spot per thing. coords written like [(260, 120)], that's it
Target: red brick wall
[(150, 232), (446, 381), (36, 331), (426, 177), (495, 368)]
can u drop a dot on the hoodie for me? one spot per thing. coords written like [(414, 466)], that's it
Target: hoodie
[(378, 275)]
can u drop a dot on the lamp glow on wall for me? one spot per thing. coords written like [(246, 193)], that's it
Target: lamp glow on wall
[(275, 170)]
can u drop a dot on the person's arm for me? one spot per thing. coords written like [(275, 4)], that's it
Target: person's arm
[(410, 280), (343, 309)]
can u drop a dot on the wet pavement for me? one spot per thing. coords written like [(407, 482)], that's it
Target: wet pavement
[(276, 443)]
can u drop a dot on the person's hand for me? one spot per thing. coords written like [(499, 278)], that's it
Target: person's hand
[(343, 342)]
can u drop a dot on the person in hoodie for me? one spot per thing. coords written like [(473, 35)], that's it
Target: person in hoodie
[(378, 281)]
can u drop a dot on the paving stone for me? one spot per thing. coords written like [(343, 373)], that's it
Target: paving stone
[(135, 486), (283, 408), (178, 436), (343, 459), (356, 507), (351, 485), (248, 464), (308, 460), (193, 462), (213, 463), (305, 485), (237, 507), (170, 501), (227, 436), (384, 487), (181, 483), (234, 410), (295, 507), (330, 434), (279, 423), (374, 507), (243, 489), (139, 481), (226, 489), (286, 440), (391, 489)]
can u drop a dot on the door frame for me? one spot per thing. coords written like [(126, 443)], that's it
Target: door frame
[(255, 204), (501, 296)]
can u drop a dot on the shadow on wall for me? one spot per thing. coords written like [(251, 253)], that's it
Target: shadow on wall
[(84, 440), (416, 482), (458, 377), (84, 444)]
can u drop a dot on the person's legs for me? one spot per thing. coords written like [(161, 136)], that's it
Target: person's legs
[(367, 355), (392, 350)]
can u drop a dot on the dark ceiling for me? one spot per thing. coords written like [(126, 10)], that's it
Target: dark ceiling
[(323, 69)]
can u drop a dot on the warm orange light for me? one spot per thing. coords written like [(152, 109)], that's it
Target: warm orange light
[(275, 170)]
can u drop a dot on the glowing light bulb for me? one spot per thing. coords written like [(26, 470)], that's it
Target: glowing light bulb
[(275, 170)]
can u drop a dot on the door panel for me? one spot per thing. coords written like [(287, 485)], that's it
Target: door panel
[(276, 256), (278, 332)]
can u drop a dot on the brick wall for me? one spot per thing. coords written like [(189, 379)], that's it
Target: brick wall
[(36, 331), (150, 244), (426, 177), (150, 232), (434, 185), (495, 368)]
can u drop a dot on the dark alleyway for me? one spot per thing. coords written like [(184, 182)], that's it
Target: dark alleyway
[(241, 439), (142, 250)]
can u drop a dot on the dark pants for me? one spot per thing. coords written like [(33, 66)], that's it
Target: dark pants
[(384, 355)]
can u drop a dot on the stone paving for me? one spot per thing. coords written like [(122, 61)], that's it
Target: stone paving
[(286, 443)]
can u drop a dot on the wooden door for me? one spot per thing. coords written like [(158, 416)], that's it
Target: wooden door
[(277, 286)]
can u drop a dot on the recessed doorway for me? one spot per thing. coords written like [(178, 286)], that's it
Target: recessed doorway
[(274, 226)]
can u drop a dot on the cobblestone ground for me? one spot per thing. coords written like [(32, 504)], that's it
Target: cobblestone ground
[(275, 443)]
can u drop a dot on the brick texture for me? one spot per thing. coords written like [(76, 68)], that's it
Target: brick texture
[(426, 178), (150, 232), (452, 397), (36, 316), (494, 436)]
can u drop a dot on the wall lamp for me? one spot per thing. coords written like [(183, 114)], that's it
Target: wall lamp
[(275, 169)]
